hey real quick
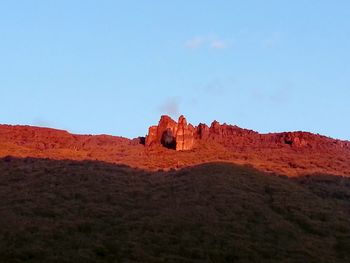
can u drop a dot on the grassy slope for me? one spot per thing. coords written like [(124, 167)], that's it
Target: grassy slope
[(68, 211)]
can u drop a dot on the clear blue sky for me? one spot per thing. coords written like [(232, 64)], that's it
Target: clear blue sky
[(115, 66)]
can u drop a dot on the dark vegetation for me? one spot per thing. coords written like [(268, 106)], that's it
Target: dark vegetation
[(71, 211)]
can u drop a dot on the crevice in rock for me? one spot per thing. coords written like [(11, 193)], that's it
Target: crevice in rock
[(168, 139)]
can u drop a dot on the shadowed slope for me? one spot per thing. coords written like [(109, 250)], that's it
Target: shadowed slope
[(68, 211)]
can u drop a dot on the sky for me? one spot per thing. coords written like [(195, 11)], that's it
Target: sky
[(113, 67)]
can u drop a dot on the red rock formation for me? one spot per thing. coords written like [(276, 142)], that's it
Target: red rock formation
[(215, 130), (179, 136), (202, 131), (164, 133), (164, 124), (152, 135), (184, 135)]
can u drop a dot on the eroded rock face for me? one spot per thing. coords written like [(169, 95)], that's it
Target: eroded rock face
[(166, 123), (202, 131), (171, 134), (152, 135), (156, 133), (184, 135)]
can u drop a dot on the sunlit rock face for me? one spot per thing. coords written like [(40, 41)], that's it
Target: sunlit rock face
[(166, 123), (171, 134), (184, 135), (202, 131), (162, 131), (290, 153), (152, 135)]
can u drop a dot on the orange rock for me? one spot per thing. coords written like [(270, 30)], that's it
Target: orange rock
[(178, 136), (152, 136), (202, 131), (164, 124), (164, 133), (184, 135)]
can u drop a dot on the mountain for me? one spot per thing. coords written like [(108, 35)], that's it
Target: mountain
[(174, 145), (182, 193), (91, 211)]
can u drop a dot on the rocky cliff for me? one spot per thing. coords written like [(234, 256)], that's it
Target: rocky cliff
[(182, 136), (173, 135)]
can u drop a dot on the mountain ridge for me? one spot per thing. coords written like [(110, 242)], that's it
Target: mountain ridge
[(289, 153)]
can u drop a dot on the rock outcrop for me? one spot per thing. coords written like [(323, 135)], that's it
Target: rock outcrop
[(171, 134), (202, 131), (182, 136), (152, 135), (164, 133)]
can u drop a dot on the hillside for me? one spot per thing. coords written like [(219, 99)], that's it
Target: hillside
[(71, 211), (288, 153)]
